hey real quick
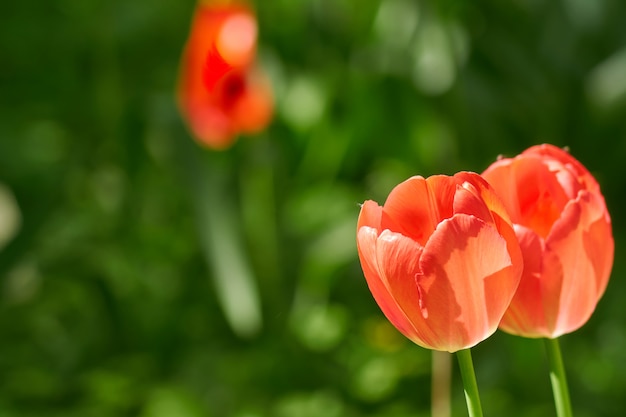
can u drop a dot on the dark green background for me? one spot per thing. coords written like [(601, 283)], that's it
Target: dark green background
[(108, 301)]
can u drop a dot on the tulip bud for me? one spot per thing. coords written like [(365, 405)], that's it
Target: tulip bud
[(220, 92), (441, 259), (564, 230)]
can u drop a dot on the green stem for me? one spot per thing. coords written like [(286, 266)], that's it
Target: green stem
[(469, 383), (558, 379)]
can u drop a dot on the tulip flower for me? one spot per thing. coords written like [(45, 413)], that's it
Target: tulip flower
[(564, 230), (441, 259), (221, 93)]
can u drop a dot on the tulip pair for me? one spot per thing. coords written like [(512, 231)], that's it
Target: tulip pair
[(527, 247), (221, 93)]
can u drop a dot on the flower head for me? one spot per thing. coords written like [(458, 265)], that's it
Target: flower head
[(220, 91), (441, 259), (564, 230)]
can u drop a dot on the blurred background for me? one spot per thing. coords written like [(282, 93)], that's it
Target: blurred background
[(142, 275)]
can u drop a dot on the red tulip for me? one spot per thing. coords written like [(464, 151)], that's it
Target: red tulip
[(220, 92), (564, 230), (441, 259)]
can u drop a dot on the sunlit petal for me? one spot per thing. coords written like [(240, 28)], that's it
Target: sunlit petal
[(370, 215), (378, 279), (416, 206), (467, 281)]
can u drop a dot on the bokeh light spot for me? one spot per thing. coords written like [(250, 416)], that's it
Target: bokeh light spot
[(606, 84), (304, 103), (10, 216), (237, 39), (396, 21)]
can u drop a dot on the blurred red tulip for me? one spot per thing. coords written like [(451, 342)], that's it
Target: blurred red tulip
[(564, 230), (441, 259), (220, 92)]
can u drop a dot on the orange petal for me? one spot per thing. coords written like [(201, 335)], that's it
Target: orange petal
[(541, 197), (467, 281), (508, 233), (387, 264), (531, 191), (500, 175), (600, 249), (577, 295), (253, 109), (214, 68), (211, 126), (597, 237), (416, 206), (486, 193), (526, 315), (579, 170), (442, 189), (467, 200), (370, 215), (569, 243)]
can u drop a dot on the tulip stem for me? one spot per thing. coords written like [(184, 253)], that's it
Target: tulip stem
[(440, 386), (558, 379), (469, 383)]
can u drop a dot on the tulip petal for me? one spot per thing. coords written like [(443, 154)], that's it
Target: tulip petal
[(487, 206), (467, 281), (253, 108), (531, 306), (370, 215), (211, 126), (531, 191), (597, 237), (500, 175), (566, 246), (484, 191), (442, 189), (399, 254), (467, 200), (572, 164), (507, 231), (416, 206), (600, 249)]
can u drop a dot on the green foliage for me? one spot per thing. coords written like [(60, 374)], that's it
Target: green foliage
[(111, 303)]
